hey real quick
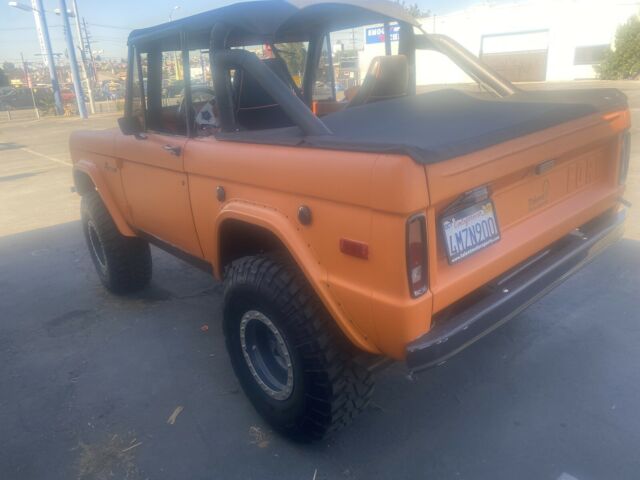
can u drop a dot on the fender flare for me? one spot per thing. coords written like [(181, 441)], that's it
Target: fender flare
[(90, 169), (282, 227)]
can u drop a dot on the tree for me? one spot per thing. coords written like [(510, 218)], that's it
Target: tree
[(4, 80), (413, 9), (9, 67), (624, 61), (294, 55)]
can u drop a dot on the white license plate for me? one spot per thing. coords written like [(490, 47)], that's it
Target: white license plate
[(469, 230)]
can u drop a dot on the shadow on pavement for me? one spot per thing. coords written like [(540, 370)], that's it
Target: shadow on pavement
[(10, 146)]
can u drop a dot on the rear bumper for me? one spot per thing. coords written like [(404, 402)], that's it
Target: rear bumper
[(513, 292)]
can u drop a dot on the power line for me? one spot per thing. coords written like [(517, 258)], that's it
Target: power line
[(109, 26), (13, 29)]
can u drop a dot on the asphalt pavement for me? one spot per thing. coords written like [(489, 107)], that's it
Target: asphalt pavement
[(94, 386)]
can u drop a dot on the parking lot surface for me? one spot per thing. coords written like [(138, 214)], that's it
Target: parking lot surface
[(94, 386)]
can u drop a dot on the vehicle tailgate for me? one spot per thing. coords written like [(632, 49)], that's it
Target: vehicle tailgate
[(543, 186)]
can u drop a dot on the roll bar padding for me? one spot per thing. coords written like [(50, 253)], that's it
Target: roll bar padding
[(296, 110)]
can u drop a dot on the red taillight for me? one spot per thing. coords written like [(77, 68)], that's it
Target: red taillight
[(625, 156), (417, 255)]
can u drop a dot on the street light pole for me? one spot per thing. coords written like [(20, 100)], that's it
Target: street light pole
[(83, 57), (42, 19), (73, 63), (176, 7), (94, 71), (175, 57), (30, 85)]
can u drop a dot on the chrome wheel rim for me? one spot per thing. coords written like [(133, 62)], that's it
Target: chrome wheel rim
[(96, 245), (266, 354)]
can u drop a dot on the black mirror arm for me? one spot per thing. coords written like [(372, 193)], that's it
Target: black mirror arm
[(130, 125)]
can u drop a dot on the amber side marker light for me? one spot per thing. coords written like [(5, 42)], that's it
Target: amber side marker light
[(354, 248), (417, 255)]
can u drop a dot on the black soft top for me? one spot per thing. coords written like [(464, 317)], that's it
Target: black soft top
[(273, 21), (436, 126)]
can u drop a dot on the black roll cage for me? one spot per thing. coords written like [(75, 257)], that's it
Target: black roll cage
[(223, 59)]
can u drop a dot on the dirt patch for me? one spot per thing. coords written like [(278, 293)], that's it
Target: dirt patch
[(71, 322), (112, 458)]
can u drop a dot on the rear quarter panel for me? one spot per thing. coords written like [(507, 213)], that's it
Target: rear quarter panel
[(357, 196)]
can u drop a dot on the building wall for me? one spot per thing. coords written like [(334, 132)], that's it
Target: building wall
[(559, 26)]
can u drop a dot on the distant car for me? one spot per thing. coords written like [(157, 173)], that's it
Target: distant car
[(112, 90), (67, 95), (322, 91)]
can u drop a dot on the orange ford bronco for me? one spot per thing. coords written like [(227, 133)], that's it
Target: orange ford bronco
[(403, 223)]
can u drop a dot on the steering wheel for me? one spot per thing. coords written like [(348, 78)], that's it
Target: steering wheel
[(182, 107)]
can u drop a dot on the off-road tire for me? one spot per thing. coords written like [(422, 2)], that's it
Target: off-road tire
[(122, 263), (330, 387)]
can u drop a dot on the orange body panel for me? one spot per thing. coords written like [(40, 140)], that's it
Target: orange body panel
[(362, 197), (351, 195)]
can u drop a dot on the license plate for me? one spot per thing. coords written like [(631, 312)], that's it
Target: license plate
[(470, 230)]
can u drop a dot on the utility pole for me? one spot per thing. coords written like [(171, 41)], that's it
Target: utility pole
[(204, 73), (73, 63), (83, 57), (30, 85), (42, 20), (94, 72)]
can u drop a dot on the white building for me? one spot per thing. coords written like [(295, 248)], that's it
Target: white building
[(535, 40)]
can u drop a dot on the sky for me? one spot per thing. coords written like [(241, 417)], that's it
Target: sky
[(109, 22)]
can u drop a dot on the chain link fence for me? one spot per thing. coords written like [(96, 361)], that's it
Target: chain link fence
[(25, 104)]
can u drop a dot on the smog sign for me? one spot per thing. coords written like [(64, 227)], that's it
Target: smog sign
[(376, 34)]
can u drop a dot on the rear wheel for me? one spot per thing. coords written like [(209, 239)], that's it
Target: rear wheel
[(123, 263), (297, 369)]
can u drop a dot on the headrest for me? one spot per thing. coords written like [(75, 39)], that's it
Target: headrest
[(387, 77), (391, 73)]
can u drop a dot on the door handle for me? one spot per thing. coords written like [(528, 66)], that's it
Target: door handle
[(173, 150)]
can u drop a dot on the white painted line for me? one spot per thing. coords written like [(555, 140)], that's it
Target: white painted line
[(32, 152), (566, 476)]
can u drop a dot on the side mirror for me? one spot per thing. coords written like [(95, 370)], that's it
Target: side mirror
[(130, 125)]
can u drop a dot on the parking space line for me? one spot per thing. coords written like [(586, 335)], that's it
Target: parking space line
[(28, 150)]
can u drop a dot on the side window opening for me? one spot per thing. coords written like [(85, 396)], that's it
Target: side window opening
[(324, 87), (435, 71), (138, 97), (350, 75), (343, 66), (203, 115), (294, 55), (157, 96), (254, 108), (346, 46)]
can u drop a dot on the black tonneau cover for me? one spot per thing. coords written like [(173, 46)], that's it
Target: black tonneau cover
[(436, 126)]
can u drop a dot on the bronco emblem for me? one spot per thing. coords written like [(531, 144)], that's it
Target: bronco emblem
[(538, 200)]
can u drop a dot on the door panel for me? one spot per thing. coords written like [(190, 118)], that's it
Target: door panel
[(157, 189)]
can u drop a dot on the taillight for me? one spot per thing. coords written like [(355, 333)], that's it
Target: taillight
[(625, 155), (417, 255)]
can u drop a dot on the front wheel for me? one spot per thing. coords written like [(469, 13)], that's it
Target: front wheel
[(298, 371), (123, 263)]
